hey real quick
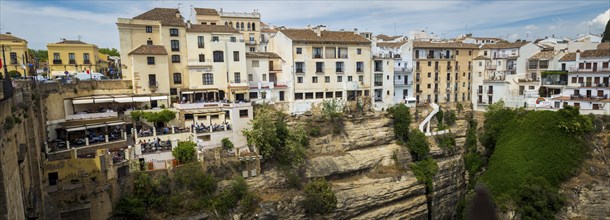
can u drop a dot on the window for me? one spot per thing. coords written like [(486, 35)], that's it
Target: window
[(378, 80), (264, 77), (349, 78), (201, 58), (200, 42), (255, 63), (327, 79), (86, 58), (298, 96), (151, 60), (233, 39), (249, 26), (300, 67), (299, 50), (177, 78), (215, 39), (252, 49), (251, 36), (319, 95), (250, 77), (339, 94), (237, 77), (71, 58), (148, 29), (175, 45), (208, 79), (173, 91), (173, 32), (314, 79), (175, 58), (470, 53), (360, 78), (218, 56), (359, 51), (342, 53), (253, 95), (339, 67), (13, 58), (149, 42), (235, 56), (309, 95), (281, 95), (339, 78), (359, 66), (319, 67), (300, 79), (56, 56), (329, 95), (317, 52), (378, 66), (243, 113)]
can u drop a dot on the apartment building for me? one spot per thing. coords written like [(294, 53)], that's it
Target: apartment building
[(72, 56), (587, 81), (248, 23), (153, 48), (268, 83), (16, 53), (323, 65), (443, 71), (393, 82), (216, 65)]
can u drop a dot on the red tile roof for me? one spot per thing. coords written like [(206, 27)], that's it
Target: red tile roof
[(167, 16), (206, 11), (441, 45), (211, 28), (307, 35), (149, 50), (10, 37), (262, 55)]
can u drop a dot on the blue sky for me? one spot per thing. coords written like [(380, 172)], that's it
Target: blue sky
[(42, 22)]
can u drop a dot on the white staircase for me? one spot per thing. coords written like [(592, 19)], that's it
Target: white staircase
[(426, 122)]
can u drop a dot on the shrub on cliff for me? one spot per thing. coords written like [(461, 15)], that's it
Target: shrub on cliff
[(319, 197), (418, 145), (402, 119), (424, 171), (537, 199), (185, 152), (332, 111)]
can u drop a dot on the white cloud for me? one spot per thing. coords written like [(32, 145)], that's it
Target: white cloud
[(601, 19), (531, 27)]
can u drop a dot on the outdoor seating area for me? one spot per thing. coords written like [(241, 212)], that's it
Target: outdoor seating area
[(202, 128), (87, 135), (155, 145)]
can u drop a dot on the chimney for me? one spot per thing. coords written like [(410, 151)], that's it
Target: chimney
[(355, 30), (188, 24), (308, 26), (178, 14), (8, 33), (318, 31), (577, 56)]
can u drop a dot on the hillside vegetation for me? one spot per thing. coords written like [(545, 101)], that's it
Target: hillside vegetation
[(533, 153)]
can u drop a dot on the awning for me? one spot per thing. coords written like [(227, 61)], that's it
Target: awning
[(141, 99), (158, 98), (189, 92), (116, 123), (104, 100), (82, 101), (96, 126), (75, 129), (123, 100)]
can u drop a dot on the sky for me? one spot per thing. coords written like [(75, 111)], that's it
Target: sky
[(47, 21)]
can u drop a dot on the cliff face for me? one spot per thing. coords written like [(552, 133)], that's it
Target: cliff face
[(369, 176)]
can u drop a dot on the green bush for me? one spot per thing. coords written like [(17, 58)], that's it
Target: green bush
[(227, 145), (192, 177), (450, 118), (185, 152), (418, 145), (537, 199), (402, 120), (332, 111), (424, 172), (163, 116), (129, 208), (446, 141), (319, 197), (496, 118), (14, 74), (9, 123), (439, 117)]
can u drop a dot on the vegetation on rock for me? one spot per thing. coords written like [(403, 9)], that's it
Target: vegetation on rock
[(418, 145), (401, 117), (185, 152), (424, 171), (332, 111), (319, 197), (227, 145)]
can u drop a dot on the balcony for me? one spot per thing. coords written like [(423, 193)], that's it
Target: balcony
[(495, 78), (339, 70), (300, 70), (480, 91), (319, 70), (153, 84), (576, 69), (238, 83), (359, 70), (71, 61), (378, 84), (270, 84), (398, 69), (436, 79), (251, 42), (592, 84), (378, 69), (317, 56), (436, 90), (13, 61), (203, 105), (84, 116), (588, 98), (490, 92), (56, 61), (87, 62), (491, 67), (529, 79), (396, 56)]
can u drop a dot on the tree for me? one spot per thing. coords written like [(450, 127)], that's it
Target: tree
[(185, 152), (538, 199), (319, 197), (450, 118), (332, 111), (263, 134), (402, 119), (424, 171), (164, 116), (109, 51), (606, 34), (41, 55), (129, 208), (496, 118), (418, 145), (227, 145)]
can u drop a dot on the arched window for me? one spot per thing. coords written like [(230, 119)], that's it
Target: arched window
[(242, 26), (249, 26), (226, 23), (253, 28), (231, 23), (237, 25)]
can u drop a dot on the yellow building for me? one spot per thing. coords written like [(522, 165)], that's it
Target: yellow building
[(15, 51), (72, 56), (247, 23), (443, 71)]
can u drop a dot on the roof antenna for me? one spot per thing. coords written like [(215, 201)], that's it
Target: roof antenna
[(79, 37)]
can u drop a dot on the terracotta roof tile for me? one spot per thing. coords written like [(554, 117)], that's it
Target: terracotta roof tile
[(595, 53), (70, 42), (481, 58), (206, 11), (167, 16), (391, 44), (425, 44), (568, 57), (211, 28), (262, 55), (503, 45), (268, 30), (149, 50), (387, 38), (543, 55), (307, 35), (10, 37), (604, 46)]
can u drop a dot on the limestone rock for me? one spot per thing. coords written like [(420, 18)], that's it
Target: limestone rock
[(352, 161)]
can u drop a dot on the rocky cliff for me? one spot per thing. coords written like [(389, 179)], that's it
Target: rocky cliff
[(369, 176)]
